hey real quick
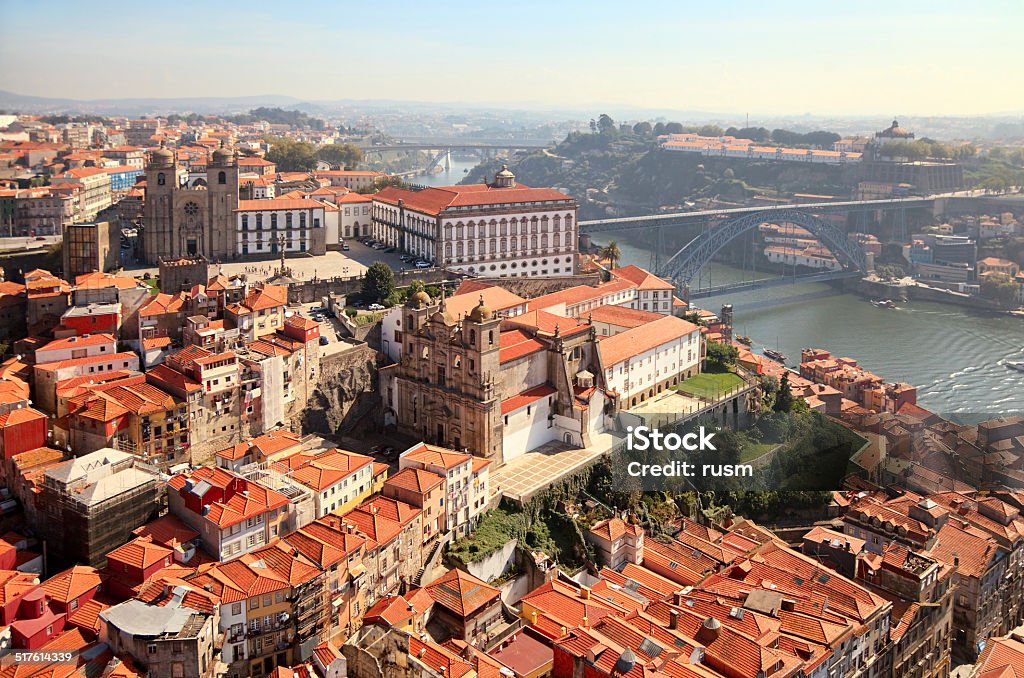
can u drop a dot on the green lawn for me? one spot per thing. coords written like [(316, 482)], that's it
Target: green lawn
[(710, 384), (750, 450)]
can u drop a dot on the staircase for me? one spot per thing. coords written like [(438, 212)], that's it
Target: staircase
[(429, 561)]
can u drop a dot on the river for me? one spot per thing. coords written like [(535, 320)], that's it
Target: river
[(952, 354), (456, 174)]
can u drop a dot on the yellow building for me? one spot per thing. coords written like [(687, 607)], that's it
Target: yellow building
[(340, 480)]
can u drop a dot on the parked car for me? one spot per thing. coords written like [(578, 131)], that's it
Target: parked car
[(345, 247), (422, 264), (324, 340), (375, 307)]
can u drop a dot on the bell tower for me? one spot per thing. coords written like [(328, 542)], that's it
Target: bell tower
[(222, 186), (158, 235)]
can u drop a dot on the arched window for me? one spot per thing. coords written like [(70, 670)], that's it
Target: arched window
[(472, 336), (470, 247), (222, 177), (245, 222), (557, 221), (259, 222), (533, 242), (544, 241), (490, 337), (515, 243), (447, 249), (504, 245), (273, 220), (544, 224), (494, 228), (458, 249), (504, 226), (482, 247), (161, 179), (557, 240), (568, 222)]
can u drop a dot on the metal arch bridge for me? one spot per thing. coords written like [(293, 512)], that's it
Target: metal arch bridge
[(723, 226), (703, 216), (685, 264)]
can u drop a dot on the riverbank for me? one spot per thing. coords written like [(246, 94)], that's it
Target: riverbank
[(953, 353)]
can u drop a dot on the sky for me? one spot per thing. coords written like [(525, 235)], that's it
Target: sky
[(780, 57)]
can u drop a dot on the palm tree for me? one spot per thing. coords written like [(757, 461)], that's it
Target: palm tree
[(611, 252)]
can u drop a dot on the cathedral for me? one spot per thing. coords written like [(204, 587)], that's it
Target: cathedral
[(182, 218)]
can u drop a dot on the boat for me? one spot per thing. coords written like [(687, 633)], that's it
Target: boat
[(774, 355), (883, 303), (1015, 365), (745, 340)]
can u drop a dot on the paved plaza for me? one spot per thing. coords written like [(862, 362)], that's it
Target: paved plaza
[(528, 474)]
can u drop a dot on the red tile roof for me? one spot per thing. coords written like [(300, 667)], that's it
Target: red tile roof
[(527, 397), (72, 583), (141, 553), (617, 348)]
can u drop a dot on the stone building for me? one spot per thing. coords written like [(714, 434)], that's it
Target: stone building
[(186, 219)]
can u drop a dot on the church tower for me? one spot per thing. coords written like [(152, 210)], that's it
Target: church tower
[(480, 333), (162, 177), (222, 185)]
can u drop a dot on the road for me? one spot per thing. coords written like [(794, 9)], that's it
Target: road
[(23, 243)]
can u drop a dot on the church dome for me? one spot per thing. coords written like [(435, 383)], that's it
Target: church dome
[(223, 156), (162, 157), (419, 299), (480, 312), (504, 178)]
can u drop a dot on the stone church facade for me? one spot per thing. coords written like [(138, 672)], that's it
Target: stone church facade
[(183, 219)]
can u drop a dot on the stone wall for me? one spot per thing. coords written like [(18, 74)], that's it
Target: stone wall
[(376, 653), (309, 291), (345, 392), (536, 286)]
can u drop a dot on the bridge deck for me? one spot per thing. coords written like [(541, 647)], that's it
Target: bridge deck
[(622, 223)]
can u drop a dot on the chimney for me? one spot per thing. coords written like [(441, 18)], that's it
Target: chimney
[(708, 631), (585, 592), (586, 622), (677, 598), (673, 619)]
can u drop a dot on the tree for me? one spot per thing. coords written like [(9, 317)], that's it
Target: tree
[(659, 129), (1000, 288), (721, 356), (378, 282), (292, 156), (695, 318), (416, 286), (784, 396), (605, 124), (593, 126), (383, 183), (340, 155), (611, 252), (674, 128), (643, 129)]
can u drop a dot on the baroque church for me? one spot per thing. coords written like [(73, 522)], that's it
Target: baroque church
[(188, 219)]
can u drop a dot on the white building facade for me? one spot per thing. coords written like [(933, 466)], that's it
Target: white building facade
[(501, 229), (260, 226)]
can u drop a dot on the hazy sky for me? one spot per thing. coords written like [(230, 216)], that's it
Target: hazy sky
[(760, 57)]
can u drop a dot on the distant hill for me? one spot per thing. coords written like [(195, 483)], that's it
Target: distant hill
[(623, 174), (10, 101)]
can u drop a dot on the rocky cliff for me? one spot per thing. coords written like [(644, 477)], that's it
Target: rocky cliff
[(345, 392)]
